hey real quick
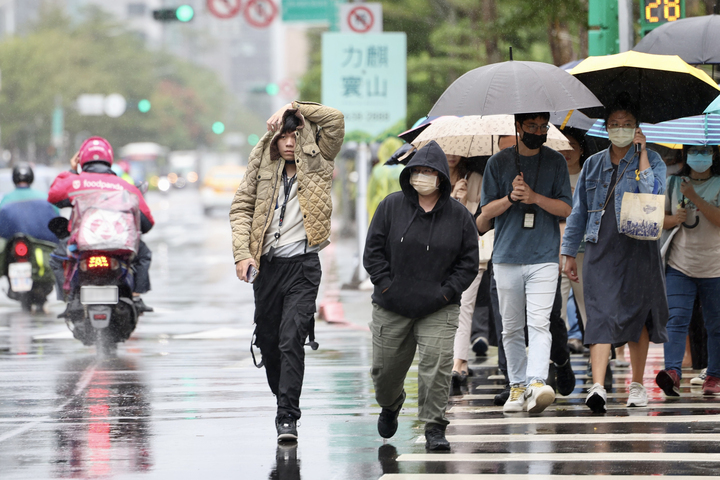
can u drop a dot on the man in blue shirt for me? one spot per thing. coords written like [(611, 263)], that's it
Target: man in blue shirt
[(25, 210), (526, 189)]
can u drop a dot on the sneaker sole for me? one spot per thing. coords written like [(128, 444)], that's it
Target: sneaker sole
[(512, 408), (287, 437), (541, 402), (705, 392), (665, 382), (697, 381), (638, 404), (596, 403)]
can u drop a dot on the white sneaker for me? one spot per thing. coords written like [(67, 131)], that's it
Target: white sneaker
[(597, 399), (700, 379), (516, 401), (638, 396), (539, 396)]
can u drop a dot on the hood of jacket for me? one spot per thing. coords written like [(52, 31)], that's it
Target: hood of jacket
[(431, 155), (98, 167)]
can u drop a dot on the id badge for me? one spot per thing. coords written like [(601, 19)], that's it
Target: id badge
[(529, 220)]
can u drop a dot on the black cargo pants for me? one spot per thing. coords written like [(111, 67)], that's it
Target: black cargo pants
[(285, 293)]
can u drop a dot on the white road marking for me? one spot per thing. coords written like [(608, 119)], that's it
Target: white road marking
[(591, 437), (59, 335), (216, 333), (585, 457), (523, 419), (495, 476), (559, 407)]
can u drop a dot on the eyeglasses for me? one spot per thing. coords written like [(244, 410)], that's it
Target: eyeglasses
[(701, 151), (624, 125), (534, 127), (424, 170)]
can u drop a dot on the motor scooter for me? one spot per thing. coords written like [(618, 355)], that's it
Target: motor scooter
[(26, 264)]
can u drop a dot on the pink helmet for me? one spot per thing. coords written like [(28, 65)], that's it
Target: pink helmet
[(96, 149)]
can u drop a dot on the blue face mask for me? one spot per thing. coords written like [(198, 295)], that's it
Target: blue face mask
[(699, 162)]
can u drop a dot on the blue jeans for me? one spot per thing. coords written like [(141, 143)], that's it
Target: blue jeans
[(681, 292)]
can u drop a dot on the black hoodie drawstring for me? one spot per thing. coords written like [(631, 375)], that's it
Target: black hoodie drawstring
[(432, 222), (412, 219)]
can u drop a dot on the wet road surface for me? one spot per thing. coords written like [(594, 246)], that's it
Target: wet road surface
[(183, 400)]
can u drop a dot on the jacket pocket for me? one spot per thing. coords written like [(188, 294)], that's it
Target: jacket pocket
[(311, 154)]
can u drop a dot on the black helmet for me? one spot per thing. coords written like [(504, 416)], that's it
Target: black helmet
[(22, 173)]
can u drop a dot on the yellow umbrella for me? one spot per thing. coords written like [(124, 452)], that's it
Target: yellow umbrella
[(475, 135), (663, 86)]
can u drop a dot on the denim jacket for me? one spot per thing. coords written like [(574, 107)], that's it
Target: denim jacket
[(592, 190)]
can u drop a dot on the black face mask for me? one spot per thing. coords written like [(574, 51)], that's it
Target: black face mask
[(533, 141)]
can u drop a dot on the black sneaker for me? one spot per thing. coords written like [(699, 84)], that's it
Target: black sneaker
[(435, 440), (502, 397), (387, 421), (565, 378), (140, 305), (286, 428)]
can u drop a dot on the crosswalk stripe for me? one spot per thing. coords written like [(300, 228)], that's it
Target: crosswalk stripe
[(496, 476), (590, 437), (559, 407), (585, 457), (595, 419)]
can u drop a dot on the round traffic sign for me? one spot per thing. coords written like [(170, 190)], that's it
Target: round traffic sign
[(360, 19), (224, 8), (260, 13)]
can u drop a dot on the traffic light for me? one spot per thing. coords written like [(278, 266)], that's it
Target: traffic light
[(183, 13), (144, 105), (272, 89), (604, 35), (218, 128)]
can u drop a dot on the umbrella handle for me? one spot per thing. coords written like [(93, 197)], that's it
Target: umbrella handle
[(697, 220)]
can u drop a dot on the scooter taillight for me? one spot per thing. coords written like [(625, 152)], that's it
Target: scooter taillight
[(21, 249), (99, 262)]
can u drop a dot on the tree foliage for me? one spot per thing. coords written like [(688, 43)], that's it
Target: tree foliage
[(447, 38), (60, 61)]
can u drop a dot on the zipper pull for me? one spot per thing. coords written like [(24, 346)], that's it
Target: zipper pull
[(637, 175)]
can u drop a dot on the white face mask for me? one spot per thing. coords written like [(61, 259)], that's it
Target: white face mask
[(621, 137), (424, 184)]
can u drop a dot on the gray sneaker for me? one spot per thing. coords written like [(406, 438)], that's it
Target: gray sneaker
[(700, 378), (517, 400), (638, 396), (597, 399)]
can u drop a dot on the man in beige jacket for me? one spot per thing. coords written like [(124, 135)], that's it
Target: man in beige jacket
[(280, 219)]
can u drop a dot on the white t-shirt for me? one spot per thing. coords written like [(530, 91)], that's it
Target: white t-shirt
[(293, 238), (695, 251)]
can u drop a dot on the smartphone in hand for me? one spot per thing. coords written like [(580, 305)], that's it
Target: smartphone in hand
[(251, 274)]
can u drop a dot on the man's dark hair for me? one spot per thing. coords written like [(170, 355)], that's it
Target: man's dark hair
[(623, 103), (521, 117), (291, 124)]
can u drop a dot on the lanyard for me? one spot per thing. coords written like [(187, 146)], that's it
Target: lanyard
[(287, 183)]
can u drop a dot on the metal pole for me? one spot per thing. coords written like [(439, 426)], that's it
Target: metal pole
[(625, 25), (361, 215)]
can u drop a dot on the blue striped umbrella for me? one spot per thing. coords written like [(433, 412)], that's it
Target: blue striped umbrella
[(697, 130)]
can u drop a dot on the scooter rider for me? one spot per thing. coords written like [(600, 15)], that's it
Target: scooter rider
[(26, 210), (95, 158)]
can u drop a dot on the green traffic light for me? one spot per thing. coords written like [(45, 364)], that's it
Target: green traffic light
[(218, 128), (272, 89), (184, 13), (144, 105)]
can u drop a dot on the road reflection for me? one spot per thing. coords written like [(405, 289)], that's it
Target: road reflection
[(103, 427), (287, 463)]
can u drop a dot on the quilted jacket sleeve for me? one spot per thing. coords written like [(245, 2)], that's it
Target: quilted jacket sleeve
[(332, 123), (243, 205)]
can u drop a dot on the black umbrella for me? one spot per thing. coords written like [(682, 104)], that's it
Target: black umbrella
[(696, 40), (514, 87)]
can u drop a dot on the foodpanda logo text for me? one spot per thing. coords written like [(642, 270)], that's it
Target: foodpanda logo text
[(101, 185)]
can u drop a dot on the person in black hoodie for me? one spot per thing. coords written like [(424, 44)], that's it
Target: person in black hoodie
[(421, 253)]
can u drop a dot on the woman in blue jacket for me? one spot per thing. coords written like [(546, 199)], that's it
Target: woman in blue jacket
[(623, 278)]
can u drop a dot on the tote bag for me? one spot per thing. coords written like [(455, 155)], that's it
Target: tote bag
[(485, 246), (642, 215)]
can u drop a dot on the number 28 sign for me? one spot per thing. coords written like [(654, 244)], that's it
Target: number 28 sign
[(656, 12)]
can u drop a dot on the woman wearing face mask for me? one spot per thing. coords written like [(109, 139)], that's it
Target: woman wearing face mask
[(421, 253), (693, 203), (625, 297)]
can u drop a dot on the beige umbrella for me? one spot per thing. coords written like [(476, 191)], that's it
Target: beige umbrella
[(475, 135)]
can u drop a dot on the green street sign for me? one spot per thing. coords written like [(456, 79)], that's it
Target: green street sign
[(312, 11), (365, 77)]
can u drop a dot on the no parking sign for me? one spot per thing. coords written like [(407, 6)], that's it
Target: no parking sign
[(361, 18)]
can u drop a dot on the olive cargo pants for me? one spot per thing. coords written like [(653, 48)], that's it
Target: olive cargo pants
[(395, 339)]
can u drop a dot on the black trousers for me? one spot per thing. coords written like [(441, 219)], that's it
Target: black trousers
[(559, 351), (285, 293)]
